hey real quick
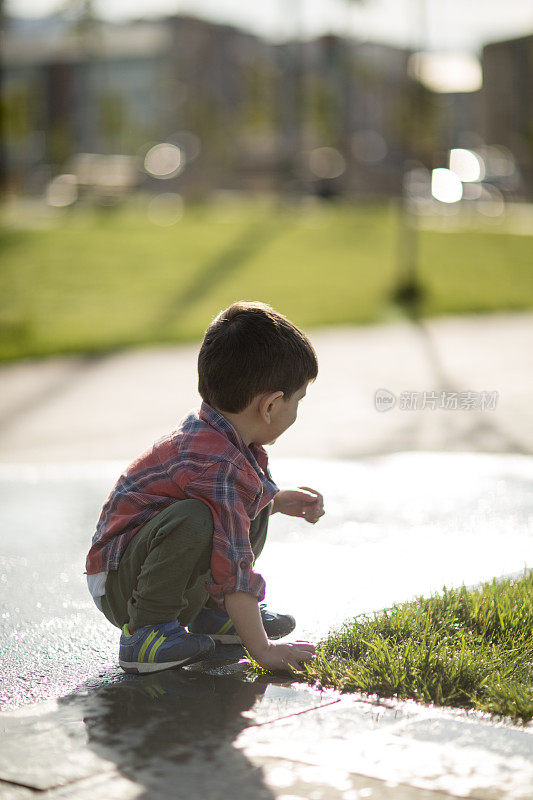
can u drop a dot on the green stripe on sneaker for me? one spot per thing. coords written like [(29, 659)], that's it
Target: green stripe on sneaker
[(155, 648), (144, 648)]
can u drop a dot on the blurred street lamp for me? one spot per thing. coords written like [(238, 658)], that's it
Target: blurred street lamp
[(408, 291), (442, 73), (326, 163)]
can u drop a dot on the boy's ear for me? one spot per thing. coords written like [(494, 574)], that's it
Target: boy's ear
[(266, 404)]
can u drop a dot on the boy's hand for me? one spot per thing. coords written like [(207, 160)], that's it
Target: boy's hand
[(302, 502), (283, 656)]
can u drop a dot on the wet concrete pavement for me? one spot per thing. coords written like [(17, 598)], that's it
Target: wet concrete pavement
[(191, 735), (74, 725), (396, 526)]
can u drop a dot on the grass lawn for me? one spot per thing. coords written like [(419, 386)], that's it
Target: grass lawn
[(95, 281), (467, 649)]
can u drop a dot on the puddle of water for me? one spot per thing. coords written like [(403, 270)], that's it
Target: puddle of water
[(138, 723)]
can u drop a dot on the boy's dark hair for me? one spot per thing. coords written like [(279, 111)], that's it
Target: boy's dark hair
[(248, 349)]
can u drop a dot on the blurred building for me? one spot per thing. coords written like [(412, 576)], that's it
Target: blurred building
[(65, 91), (507, 106), (222, 90), (349, 119), (321, 116), (331, 116)]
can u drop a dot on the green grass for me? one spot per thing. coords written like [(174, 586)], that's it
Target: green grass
[(466, 649), (95, 281)]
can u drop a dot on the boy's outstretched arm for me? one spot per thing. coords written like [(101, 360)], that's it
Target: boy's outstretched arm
[(243, 609), (301, 502)]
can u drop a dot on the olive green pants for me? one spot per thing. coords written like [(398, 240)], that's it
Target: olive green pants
[(161, 574)]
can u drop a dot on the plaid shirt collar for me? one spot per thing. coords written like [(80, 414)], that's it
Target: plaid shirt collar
[(255, 453)]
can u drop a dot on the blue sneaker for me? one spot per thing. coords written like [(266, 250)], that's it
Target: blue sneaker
[(217, 624), (157, 647)]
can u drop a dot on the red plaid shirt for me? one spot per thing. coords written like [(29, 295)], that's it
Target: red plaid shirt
[(204, 458)]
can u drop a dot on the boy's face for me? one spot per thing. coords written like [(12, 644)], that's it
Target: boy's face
[(282, 414)]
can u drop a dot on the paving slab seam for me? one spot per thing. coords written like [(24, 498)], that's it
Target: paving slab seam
[(91, 783), (6, 782), (294, 714), (60, 785), (63, 789)]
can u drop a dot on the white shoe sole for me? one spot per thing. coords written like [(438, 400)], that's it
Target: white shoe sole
[(226, 639), (139, 668)]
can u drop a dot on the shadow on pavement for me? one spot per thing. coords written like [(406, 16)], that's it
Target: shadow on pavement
[(216, 270), (172, 732)]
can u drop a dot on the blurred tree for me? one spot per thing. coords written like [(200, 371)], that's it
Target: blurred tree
[(332, 102), (86, 28), (83, 15), (259, 101), (321, 110), (113, 119), (414, 118), (60, 141), (16, 108)]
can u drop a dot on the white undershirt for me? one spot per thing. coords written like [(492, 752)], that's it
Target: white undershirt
[(96, 584)]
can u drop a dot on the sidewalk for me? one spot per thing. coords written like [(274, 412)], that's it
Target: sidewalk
[(190, 735), (113, 407), (211, 734)]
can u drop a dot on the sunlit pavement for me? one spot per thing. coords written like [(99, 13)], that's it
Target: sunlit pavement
[(114, 406), (397, 525)]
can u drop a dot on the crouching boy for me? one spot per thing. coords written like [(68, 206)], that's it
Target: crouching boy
[(171, 561)]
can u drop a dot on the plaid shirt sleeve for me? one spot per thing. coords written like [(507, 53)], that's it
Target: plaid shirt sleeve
[(233, 501)]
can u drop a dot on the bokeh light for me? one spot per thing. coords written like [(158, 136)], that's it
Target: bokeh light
[(446, 186), (164, 161), (447, 72), (467, 165), (326, 162), (62, 191)]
